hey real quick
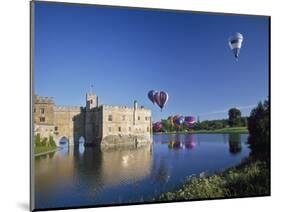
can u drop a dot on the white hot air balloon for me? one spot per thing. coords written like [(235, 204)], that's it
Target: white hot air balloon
[(235, 43)]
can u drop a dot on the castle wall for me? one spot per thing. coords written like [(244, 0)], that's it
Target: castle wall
[(64, 122), (43, 111), (43, 114), (125, 125), (107, 125)]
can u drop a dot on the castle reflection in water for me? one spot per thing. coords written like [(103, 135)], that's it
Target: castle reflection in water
[(79, 175)]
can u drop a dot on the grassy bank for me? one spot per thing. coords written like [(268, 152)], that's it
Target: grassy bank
[(251, 178), (224, 130), (42, 149), (241, 130)]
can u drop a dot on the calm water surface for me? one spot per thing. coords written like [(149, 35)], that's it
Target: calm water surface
[(78, 176)]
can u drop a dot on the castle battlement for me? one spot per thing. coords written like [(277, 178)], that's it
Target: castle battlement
[(67, 108), (44, 100), (124, 107)]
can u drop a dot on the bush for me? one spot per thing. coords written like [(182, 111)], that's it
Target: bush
[(52, 142), (37, 140), (44, 142)]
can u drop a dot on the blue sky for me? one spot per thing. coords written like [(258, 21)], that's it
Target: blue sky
[(125, 53)]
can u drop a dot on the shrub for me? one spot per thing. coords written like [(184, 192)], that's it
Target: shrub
[(249, 179), (37, 140), (44, 142), (52, 142)]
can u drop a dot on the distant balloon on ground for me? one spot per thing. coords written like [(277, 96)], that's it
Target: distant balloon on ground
[(178, 121), (170, 119), (189, 121), (175, 118), (157, 126), (235, 44)]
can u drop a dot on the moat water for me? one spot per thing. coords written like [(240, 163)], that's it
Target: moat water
[(79, 176)]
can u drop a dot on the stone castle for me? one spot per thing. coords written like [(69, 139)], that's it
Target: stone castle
[(98, 124)]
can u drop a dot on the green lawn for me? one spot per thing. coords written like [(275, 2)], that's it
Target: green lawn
[(42, 149), (248, 179), (224, 130)]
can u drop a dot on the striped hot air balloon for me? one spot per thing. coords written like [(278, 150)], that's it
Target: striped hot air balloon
[(161, 98), (235, 44), (151, 96)]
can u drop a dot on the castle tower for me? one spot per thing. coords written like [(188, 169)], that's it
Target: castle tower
[(91, 101), (135, 112), (90, 123)]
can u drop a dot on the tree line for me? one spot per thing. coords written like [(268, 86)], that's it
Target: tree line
[(235, 119)]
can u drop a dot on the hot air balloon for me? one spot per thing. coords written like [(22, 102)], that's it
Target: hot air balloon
[(161, 98), (151, 96), (178, 121), (157, 126), (170, 119), (189, 121), (235, 43), (174, 118)]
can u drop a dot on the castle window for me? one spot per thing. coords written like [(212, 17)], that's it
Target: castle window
[(123, 118), (130, 129), (56, 128), (109, 117), (42, 111), (42, 119), (119, 129), (138, 117), (34, 110), (91, 101), (109, 129), (146, 118), (147, 129)]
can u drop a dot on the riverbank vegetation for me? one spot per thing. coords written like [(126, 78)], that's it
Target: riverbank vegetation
[(235, 123), (250, 178), (228, 130), (44, 144)]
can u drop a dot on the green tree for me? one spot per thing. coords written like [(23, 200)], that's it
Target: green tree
[(258, 126), (234, 117), (37, 140)]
